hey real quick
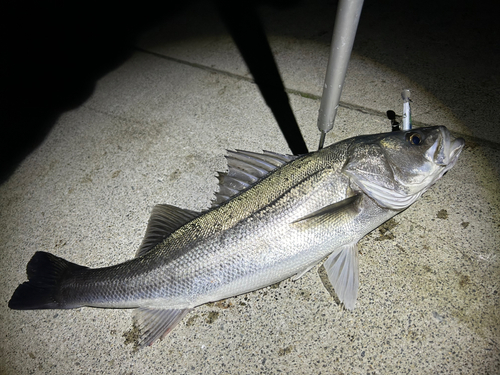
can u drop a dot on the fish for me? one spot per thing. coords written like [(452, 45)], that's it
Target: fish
[(274, 216)]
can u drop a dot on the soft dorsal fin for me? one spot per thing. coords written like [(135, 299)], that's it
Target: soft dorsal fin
[(245, 169), (165, 219)]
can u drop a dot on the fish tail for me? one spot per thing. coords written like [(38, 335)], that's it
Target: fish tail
[(46, 273)]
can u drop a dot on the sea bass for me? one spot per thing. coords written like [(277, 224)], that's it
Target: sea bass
[(274, 216)]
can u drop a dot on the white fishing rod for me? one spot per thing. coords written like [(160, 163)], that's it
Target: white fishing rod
[(405, 94)]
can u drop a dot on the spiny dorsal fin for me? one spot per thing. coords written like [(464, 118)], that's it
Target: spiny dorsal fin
[(245, 169), (165, 219)]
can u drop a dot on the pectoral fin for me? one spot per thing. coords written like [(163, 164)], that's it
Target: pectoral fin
[(342, 268), (154, 324), (345, 209)]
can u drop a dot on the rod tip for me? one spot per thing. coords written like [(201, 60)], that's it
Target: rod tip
[(321, 140)]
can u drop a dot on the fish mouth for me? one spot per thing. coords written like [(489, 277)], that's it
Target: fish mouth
[(445, 150), (455, 149)]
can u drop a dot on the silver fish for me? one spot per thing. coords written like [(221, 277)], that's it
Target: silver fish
[(275, 216)]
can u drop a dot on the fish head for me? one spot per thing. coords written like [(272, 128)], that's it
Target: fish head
[(396, 168)]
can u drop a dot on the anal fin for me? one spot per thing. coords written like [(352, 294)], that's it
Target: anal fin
[(342, 268), (154, 324)]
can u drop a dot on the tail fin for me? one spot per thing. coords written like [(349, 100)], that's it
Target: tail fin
[(45, 274)]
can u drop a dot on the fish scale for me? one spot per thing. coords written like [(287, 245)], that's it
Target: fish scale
[(275, 216)]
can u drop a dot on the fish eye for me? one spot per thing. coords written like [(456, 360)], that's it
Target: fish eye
[(414, 138)]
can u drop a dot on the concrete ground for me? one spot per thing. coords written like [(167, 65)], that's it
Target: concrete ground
[(155, 129)]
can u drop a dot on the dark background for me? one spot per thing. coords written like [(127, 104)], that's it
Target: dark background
[(54, 52)]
